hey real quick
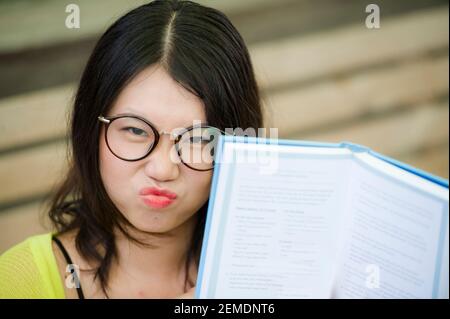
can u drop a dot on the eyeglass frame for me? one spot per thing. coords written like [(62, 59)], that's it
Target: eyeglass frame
[(177, 136)]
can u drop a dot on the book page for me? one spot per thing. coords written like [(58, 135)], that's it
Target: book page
[(395, 235), (274, 236)]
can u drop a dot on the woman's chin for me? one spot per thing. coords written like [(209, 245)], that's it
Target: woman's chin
[(155, 227)]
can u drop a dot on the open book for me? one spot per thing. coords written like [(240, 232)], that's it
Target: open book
[(295, 219)]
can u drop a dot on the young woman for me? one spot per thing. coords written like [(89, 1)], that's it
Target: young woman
[(162, 82)]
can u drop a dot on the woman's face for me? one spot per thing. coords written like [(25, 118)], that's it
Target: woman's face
[(155, 96)]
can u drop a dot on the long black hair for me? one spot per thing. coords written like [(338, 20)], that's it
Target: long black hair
[(201, 50)]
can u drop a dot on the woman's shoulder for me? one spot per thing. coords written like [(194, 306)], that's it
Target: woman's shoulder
[(29, 270), (27, 252)]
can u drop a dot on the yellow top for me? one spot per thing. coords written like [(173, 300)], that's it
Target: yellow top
[(29, 270)]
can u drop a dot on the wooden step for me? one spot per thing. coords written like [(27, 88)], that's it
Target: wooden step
[(371, 92), (31, 172), (400, 133), (304, 58), (21, 222)]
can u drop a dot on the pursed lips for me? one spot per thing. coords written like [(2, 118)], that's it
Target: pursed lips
[(157, 197)]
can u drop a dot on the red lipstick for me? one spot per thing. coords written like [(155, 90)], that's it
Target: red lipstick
[(157, 197)]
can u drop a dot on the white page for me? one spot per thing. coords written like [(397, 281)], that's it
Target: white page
[(444, 277), (395, 229), (274, 236)]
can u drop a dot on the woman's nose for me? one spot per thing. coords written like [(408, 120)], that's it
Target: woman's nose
[(162, 163)]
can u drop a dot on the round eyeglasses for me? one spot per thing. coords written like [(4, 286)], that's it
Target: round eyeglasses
[(132, 138)]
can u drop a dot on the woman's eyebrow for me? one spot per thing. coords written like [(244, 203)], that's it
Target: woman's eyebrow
[(129, 111)]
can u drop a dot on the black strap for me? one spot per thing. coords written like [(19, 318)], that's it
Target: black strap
[(69, 261)]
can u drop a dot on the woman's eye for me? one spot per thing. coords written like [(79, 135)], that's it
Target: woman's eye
[(136, 131)]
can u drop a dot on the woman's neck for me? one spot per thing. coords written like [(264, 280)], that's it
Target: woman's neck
[(160, 264)]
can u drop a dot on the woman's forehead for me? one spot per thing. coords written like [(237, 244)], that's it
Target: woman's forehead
[(154, 95)]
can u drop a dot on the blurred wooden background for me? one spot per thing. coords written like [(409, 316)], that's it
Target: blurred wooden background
[(324, 75)]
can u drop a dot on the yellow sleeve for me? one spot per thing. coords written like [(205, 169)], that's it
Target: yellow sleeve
[(28, 271)]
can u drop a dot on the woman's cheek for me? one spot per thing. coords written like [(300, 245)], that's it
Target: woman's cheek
[(113, 174), (200, 185)]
